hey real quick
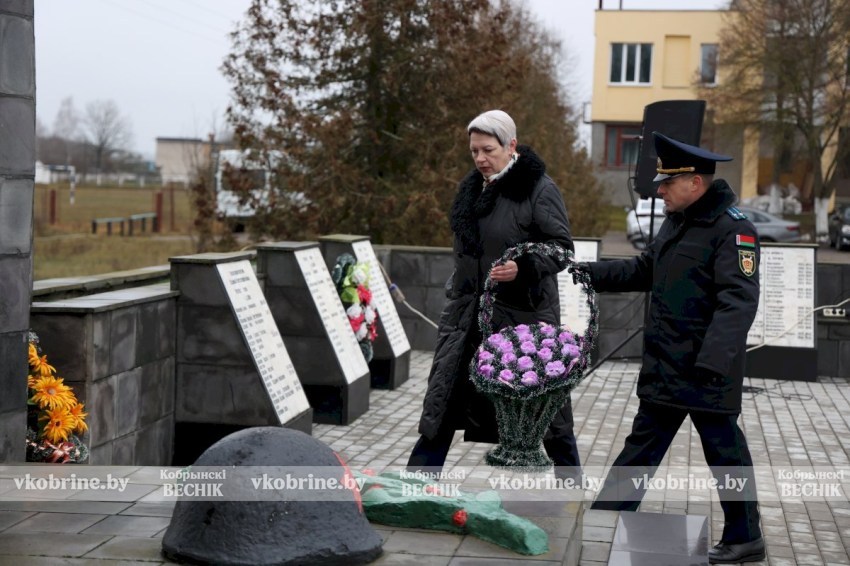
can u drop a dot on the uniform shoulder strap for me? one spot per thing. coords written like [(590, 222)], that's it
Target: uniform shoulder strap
[(735, 213)]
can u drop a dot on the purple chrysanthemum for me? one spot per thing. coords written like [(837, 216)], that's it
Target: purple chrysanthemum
[(506, 375), (484, 356), (521, 328), (506, 347), (555, 369), (547, 330), (528, 347), (566, 337), (544, 354), (508, 358), (486, 370), (525, 363), (495, 339), (548, 343), (570, 350), (530, 378)]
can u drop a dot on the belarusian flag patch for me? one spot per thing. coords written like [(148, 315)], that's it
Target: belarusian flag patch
[(745, 241)]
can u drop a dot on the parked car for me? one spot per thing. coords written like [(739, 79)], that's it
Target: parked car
[(638, 220), (772, 228), (839, 228)]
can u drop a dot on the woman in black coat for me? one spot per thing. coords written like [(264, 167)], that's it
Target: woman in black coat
[(506, 200)]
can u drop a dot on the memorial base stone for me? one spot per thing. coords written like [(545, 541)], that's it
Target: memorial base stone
[(657, 538), (338, 404), (776, 362), (390, 373), (192, 439)]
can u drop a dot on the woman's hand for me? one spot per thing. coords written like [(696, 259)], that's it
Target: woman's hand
[(505, 272)]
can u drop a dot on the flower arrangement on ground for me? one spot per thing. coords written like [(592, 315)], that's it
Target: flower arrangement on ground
[(528, 371), (352, 284), (55, 419)]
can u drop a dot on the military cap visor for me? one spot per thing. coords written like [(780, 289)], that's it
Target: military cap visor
[(677, 158)]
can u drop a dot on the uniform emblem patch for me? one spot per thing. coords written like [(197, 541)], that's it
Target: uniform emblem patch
[(747, 262)]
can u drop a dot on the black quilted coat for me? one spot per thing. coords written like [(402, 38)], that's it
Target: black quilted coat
[(524, 205), (702, 303)]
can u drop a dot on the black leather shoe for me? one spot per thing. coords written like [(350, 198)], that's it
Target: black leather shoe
[(725, 553)]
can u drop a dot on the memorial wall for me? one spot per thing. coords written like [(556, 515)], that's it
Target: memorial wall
[(201, 355), (782, 342), (17, 171)]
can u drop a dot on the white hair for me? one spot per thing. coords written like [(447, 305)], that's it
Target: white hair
[(494, 123)]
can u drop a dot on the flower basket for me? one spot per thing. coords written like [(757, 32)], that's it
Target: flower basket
[(528, 371)]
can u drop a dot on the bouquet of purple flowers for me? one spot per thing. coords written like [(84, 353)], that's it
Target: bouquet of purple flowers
[(526, 361), (528, 370)]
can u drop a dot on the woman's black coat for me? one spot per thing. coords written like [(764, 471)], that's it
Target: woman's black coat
[(702, 303), (525, 205)]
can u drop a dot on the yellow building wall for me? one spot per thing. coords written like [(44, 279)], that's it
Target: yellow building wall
[(677, 37), (750, 168), (678, 72)]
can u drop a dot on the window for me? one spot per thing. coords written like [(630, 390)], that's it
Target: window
[(708, 64), (621, 145), (631, 63)]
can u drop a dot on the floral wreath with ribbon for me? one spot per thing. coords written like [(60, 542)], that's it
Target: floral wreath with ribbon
[(352, 284)]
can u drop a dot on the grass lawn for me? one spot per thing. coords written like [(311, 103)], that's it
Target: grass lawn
[(86, 254), (616, 218), (99, 202), (68, 248)]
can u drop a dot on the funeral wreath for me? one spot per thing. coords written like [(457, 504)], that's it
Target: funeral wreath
[(352, 284)]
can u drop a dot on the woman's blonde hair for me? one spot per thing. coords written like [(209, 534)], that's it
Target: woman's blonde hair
[(494, 123)]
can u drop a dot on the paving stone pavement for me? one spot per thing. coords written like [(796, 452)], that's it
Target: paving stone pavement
[(789, 425)]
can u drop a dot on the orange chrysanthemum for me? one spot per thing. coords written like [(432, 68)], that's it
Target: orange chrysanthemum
[(51, 393), (39, 366), (33, 354), (60, 423), (80, 427), (31, 381)]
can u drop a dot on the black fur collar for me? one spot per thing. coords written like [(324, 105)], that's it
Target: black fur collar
[(516, 185), (713, 203)]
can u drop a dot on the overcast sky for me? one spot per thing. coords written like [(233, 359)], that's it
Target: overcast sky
[(159, 59)]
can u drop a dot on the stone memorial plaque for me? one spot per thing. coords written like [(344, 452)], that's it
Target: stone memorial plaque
[(263, 339), (387, 313), (785, 315), (333, 315), (575, 311)]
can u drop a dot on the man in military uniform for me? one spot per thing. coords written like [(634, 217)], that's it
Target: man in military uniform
[(701, 273)]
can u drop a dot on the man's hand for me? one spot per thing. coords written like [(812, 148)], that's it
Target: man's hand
[(504, 272), (578, 269)]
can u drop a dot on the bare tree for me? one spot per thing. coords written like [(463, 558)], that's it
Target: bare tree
[(107, 130), (783, 65), (66, 126)]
